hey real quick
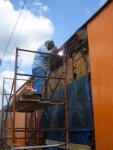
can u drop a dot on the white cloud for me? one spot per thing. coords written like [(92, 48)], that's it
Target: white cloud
[(38, 6), (101, 2), (31, 30)]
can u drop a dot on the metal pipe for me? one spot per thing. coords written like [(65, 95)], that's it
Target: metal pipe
[(15, 138), (9, 94), (41, 146), (9, 102), (14, 97), (3, 129), (17, 79), (25, 127), (9, 78), (65, 102), (55, 89), (2, 108), (35, 130), (35, 126), (36, 52), (20, 74), (9, 110), (6, 96)]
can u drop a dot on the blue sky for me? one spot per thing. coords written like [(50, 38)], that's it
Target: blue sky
[(67, 15), (39, 21)]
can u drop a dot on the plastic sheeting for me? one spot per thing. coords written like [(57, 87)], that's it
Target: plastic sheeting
[(80, 113), (76, 137), (79, 103)]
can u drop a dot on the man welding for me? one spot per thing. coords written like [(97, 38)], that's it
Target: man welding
[(41, 65)]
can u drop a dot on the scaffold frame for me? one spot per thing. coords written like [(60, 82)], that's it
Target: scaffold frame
[(64, 102)]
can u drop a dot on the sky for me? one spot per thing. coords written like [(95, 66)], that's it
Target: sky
[(29, 23)]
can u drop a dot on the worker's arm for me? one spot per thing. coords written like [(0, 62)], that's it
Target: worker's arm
[(45, 50), (53, 50)]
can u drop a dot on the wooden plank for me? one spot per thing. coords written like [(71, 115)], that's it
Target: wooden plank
[(28, 91), (30, 98), (31, 92)]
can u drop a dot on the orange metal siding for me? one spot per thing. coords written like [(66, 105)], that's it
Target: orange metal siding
[(100, 36)]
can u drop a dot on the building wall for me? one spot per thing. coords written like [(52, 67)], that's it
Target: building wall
[(19, 123), (100, 36), (76, 68)]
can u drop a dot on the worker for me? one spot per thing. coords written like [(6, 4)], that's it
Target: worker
[(41, 65)]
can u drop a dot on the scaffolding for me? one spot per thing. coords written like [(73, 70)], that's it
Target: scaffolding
[(30, 104)]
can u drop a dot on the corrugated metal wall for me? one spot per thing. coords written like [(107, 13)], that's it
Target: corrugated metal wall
[(100, 36)]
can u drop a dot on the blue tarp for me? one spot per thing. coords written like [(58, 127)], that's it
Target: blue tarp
[(76, 137), (80, 112)]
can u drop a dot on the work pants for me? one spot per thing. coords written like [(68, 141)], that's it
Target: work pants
[(39, 82)]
